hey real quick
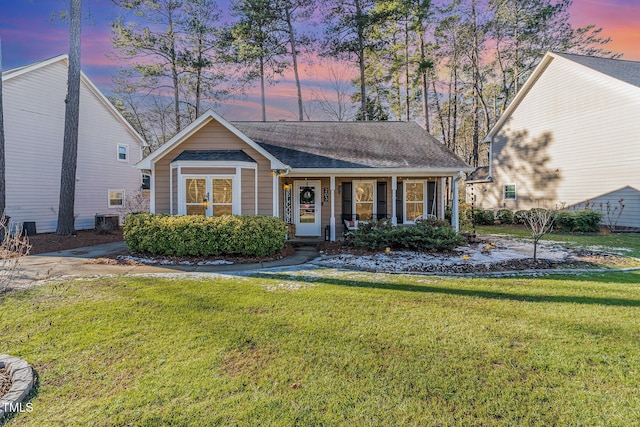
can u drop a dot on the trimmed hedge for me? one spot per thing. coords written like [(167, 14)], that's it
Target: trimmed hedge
[(425, 235), (482, 217), (505, 216), (585, 221), (246, 235)]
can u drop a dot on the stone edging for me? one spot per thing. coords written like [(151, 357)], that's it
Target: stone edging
[(22, 383)]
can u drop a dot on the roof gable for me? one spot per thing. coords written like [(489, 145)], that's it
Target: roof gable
[(194, 127), (625, 72), (16, 72)]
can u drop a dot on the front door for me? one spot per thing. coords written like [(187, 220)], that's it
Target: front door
[(307, 208)]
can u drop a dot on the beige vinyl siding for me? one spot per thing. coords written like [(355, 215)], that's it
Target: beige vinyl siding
[(34, 130), (214, 136), (575, 137), (248, 191)]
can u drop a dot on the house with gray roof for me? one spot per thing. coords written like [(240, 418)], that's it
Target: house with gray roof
[(571, 137), (322, 177)]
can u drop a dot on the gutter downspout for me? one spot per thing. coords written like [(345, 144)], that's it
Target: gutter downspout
[(455, 220)]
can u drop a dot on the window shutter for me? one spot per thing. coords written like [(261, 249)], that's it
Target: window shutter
[(347, 206), (431, 198), (382, 200), (400, 203)]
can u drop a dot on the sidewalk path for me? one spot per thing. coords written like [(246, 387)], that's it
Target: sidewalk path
[(78, 262)]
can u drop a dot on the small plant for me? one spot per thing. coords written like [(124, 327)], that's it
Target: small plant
[(104, 227), (539, 222), (520, 217), (612, 213), (13, 246)]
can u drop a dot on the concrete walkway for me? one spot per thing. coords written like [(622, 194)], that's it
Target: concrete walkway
[(80, 262)]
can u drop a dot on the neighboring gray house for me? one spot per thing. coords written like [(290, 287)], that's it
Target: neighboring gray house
[(571, 136), (108, 148), (311, 174)]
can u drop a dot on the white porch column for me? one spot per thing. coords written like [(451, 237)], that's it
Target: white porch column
[(455, 223), (152, 189), (394, 188), (441, 201), (333, 208), (276, 193)]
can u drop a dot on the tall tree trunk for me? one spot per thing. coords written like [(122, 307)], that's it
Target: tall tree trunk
[(66, 208), (425, 84), (294, 58), (406, 69), (363, 92), (174, 73), (3, 192), (262, 95)]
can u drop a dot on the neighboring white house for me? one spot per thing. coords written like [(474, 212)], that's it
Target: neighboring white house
[(571, 136), (108, 148)]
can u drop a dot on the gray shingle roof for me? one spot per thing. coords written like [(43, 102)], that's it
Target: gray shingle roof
[(626, 71), (223, 155), (351, 144), (480, 174)]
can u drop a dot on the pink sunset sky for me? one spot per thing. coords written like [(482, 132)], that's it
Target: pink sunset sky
[(30, 33)]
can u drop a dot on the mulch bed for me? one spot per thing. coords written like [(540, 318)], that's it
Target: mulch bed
[(5, 382), (51, 242)]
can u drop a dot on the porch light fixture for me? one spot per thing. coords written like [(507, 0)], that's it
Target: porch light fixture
[(287, 186), (205, 201)]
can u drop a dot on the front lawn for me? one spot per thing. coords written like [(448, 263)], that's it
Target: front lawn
[(326, 347), (623, 243)]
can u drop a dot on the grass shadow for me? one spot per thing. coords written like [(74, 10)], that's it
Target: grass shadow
[(564, 299)]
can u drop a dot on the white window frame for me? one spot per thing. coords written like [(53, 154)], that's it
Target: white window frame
[(235, 192), (109, 204), (425, 197), (374, 208), (126, 153), (515, 192)]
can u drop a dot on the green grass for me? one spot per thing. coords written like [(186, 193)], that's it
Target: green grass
[(330, 348), (623, 243)]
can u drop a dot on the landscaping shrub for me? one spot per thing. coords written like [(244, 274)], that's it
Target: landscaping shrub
[(520, 217), (482, 217), (246, 235), (588, 221), (565, 221), (425, 235), (505, 216), (584, 221)]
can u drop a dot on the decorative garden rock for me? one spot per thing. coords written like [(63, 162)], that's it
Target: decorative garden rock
[(22, 382)]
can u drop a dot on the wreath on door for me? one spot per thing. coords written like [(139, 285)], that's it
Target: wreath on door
[(307, 195)]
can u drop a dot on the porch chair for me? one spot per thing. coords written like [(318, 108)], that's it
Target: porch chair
[(351, 221)]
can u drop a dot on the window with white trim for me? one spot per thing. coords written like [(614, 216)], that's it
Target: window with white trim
[(509, 192), (209, 195), (420, 199), (364, 199), (414, 199), (116, 198), (123, 153)]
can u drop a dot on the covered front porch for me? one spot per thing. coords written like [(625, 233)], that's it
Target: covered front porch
[(320, 207)]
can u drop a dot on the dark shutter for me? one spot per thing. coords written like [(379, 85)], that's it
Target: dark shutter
[(431, 202), (399, 204), (382, 200), (347, 206)]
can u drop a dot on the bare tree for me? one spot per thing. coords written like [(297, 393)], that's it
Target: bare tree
[(338, 106), (66, 218), (13, 246), (539, 221)]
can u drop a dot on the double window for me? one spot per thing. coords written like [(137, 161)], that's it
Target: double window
[(209, 196)]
